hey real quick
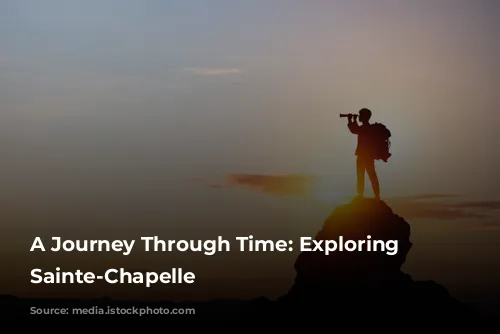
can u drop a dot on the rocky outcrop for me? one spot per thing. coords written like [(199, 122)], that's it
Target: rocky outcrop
[(366, 281)]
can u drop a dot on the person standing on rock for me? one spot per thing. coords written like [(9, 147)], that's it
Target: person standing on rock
[(373, 144)]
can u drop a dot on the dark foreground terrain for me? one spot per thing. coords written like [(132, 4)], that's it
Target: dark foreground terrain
[(354, 288)]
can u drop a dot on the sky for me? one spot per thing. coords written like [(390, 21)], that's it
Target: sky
[(125, 116)]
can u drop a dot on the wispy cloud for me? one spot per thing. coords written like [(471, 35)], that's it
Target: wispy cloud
[(434, 208), (428, 196), (208, 71), (274, 184)]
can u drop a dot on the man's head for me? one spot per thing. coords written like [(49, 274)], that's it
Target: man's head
[(365, 115)]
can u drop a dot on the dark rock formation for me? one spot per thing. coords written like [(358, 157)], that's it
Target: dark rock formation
[(358, 221), (368, 220), (366, 283)]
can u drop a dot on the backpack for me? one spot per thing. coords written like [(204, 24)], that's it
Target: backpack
[(381, 143)]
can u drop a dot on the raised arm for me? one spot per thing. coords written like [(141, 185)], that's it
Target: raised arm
[(353, 126)]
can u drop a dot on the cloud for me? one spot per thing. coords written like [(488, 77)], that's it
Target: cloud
[(214, 71), (283, 185), (277, 185), (428, 196), (485, 205), (440, 207)]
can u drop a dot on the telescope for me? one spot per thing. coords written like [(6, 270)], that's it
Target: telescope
[(348, 115)]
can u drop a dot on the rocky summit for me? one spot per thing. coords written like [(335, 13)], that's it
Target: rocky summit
[(366, 279)]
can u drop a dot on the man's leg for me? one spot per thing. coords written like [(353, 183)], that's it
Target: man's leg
[(372, 174), (360, 173)]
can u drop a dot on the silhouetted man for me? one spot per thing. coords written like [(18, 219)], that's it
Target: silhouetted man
[(364, 151)]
